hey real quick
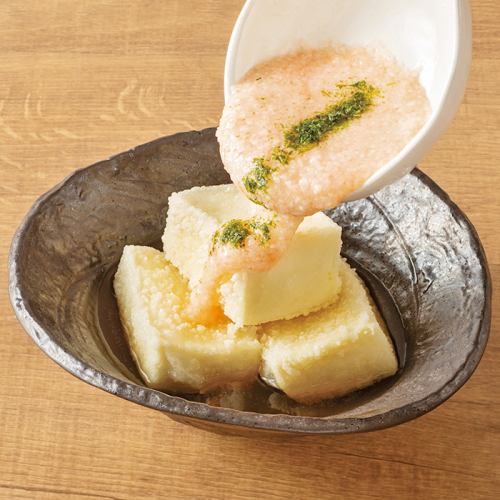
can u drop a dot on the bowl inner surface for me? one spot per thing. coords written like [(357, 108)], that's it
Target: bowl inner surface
[(415, 250)]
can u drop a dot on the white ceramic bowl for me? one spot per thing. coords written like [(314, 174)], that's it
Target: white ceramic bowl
[(430, 36)]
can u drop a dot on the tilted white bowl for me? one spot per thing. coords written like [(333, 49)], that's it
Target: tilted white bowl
[(430, 36)]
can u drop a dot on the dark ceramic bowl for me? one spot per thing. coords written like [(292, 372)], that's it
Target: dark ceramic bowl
[(415, 249)]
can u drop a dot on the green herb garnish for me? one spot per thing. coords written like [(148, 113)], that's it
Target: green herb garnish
[(261, 229), (236, 231), (258, 178), (281, 155), (354, 99), (309, 132)]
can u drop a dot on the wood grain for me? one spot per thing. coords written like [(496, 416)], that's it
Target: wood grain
[(81, 80)]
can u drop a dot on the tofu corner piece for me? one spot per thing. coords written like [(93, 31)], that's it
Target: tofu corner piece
[(332, 352), (171, 353), (305, 279)]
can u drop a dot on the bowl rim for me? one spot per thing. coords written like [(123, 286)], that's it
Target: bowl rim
[(177, 406)]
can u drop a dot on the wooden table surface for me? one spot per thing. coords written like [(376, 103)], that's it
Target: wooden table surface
[(81, 80)]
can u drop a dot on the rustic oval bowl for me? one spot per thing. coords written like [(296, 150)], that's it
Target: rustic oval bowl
[(408, 238)]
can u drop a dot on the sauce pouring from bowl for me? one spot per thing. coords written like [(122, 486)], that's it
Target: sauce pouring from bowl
[(262, 169)]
